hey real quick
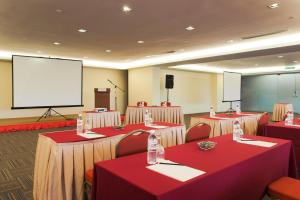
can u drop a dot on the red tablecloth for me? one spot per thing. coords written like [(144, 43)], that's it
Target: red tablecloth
[(71, 136), (233, 171), (279, 130), (224, 115)]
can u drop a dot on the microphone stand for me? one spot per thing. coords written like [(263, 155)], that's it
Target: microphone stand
[(115, 91)]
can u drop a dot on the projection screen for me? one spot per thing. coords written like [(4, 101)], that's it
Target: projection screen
[(46, 82), (231, 86)]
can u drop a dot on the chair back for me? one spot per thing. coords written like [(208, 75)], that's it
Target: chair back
[(262, 122), (198, 131), (132, 143), (142, 103), (165, 103)]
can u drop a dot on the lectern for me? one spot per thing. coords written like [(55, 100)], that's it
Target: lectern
[(102, 98)]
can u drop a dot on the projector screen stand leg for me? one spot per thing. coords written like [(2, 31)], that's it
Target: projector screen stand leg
[(230, 110), (48, 114)]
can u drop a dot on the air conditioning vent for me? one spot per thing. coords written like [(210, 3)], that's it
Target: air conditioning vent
[(263, 35)]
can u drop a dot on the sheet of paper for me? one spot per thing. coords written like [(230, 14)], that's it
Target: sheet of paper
[(157, 126), (296, 125), (178, 172), (258, 143), (221, 118), (91, 135)]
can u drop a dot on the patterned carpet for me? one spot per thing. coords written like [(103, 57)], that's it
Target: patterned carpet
[(17, 154)]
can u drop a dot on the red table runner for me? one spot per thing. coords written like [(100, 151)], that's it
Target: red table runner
[(233, 171), (224, 115), (71, 136), (280, 130)]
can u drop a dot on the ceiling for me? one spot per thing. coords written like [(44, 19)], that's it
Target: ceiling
[(32, 26)]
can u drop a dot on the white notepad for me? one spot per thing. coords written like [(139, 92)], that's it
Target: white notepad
[(296, 125), (221, 118), (91, 135), (178, 172), (156, 126), (259, 143)]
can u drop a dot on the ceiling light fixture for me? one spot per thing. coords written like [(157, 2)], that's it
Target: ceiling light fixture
[(295, 61), (280, 56), (273, 5), (56, 43), (108, 51), (59, 10), (81, 30), (230, 41), (140, 42), (189, 28), (126, 8)]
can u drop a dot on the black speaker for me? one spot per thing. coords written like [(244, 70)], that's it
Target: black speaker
[(169, 81)]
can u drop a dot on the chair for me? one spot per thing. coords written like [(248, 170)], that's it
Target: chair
[(133, 142), (167, 103), (142, 103), (262, 122), (284, 188), (198, 131)]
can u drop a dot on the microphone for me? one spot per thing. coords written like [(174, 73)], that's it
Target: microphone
[(109, 81)]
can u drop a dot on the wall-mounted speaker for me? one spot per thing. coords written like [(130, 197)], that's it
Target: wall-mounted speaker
[(169, 81)]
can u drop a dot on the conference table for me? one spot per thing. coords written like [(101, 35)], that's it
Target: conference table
[(223, 123), (63, 157), (279, 111), (231, 170), (102, 119), (287, 132), (170, 114)]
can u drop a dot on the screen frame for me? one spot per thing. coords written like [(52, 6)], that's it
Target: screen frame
[(224, 87), (54, 106)]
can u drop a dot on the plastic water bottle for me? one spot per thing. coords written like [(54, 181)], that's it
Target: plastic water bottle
[(212, 112), (236, 130), (146, 118), (238, 109), (160, 154), (152, 148), (79, 124), (289, 119)]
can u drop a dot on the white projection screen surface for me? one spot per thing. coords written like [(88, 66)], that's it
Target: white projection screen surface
[(46, 82), (231, 86)]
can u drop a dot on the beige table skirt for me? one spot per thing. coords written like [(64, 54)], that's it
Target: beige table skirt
[(249, 124), (103, 119), (60, 167), (280, 109), (135, 115)]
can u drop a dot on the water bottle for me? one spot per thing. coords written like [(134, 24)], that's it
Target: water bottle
[(290, 118), (88, 125), (238, 110), (152, 148), (146, 118), (160, 154), (79, 124), (212, 112), (236, 130)]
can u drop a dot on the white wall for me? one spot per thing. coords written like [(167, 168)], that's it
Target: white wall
[(194, 91), (143, 85)]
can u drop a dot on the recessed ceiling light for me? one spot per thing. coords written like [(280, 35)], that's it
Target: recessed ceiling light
[(230, 41), (82, 30), (38, 51), (256, 65), (140, 42), (295, 61), (280, 56), (85, 57), (126, 8), (107, 50), (59, 10), (56, 43), (273, 5), (189, 28)]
